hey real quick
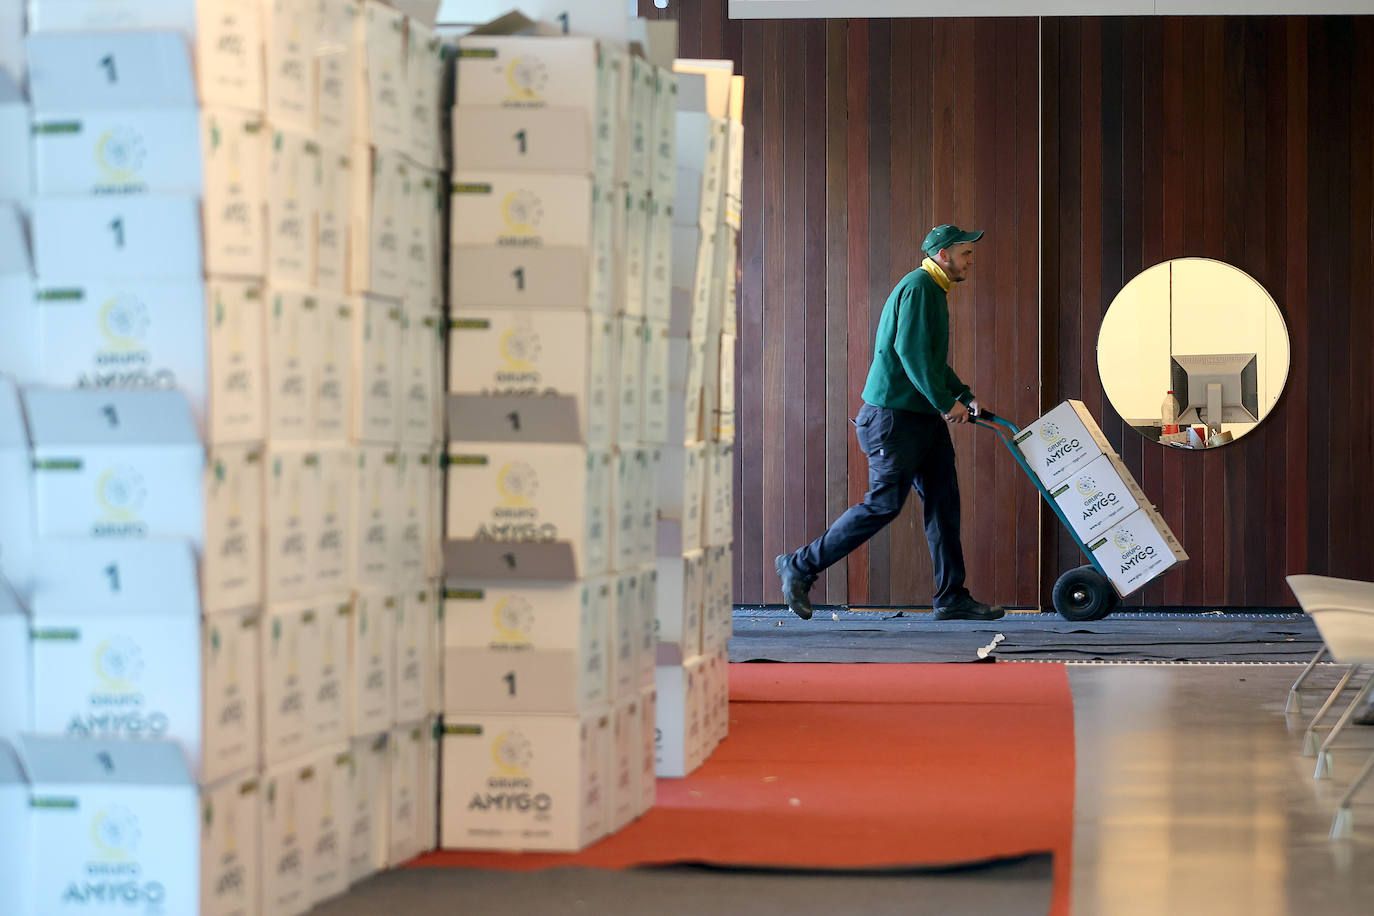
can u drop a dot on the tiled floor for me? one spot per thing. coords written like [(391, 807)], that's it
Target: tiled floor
[(1192, 796)]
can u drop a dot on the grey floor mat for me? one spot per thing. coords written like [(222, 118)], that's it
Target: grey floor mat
[(839, 635), (1017, 887)]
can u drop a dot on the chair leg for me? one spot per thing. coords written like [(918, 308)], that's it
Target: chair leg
[(1344, 823), (1294, 705), (1324, 753), (1309, 738)]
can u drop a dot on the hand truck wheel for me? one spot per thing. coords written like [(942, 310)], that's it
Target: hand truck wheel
[(1084, 594)]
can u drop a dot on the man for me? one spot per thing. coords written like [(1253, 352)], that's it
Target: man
[(911, 397)]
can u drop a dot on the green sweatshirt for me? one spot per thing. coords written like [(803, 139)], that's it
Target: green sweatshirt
[(910, 369)]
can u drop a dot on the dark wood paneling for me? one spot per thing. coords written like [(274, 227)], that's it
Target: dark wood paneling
[(1261, 157), (1247, 140)]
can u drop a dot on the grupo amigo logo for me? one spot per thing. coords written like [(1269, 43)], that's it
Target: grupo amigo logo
[(522, 212), (1087, 485), (512, 754), (1050, 432), (120, 153), (115, 832), (514, 616), (121, 493), (527, 76), (118, 663), (518, 483), (124, 322), (521, 348), (1123, 538)]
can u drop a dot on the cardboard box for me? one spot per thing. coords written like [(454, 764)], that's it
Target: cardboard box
[(647, 627), (290, 816), (648, 741), (420, 247), (381, 208), (331, 384), (536, 647), (380, 116), (1136, 551), (629, 379), (723, 395), (424, 77), (521, 209), (531, 494), (335, 195), (16, 172), (421, 366), (434, 559), (529, 72), (289, 663), (625, 641), (657, 362), (536, 353), (663, 177), (643, 133), (1097, 496), (434, 663), (720, 495), (117, 652), (293, 339), (326, 838), (678, 609), (115, 464), (216, 155), (337, 58), (727, 274), (371, 792), (289, 27), (378, 470), (115, 53), (637, 209), (230, 829), (141, 335), (22, 341), (647, 508), (327, 701), (406, 749), (524, 139), (1061, 442), (717, 617), (143, 237), (293, 512), (334, 530), (231, 567), (371, 660), (630, 466), (658, 272), (413, 516), (293, 207), (626, 794), (98, 806), (408, 662), (16, 667), (525, 782), (377, 328), (429, 786), (678, 714), (17, 491), (490, 277)]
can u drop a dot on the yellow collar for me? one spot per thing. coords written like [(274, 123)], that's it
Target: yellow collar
[(930, 267)]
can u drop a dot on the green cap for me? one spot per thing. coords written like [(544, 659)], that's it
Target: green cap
[(945, 236)]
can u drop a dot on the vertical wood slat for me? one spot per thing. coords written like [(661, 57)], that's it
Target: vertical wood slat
[(1320, 292), (859, 334), (753, 568), (837, 435), (879, 78), (816, 373), (791, 311), (774, 306), (1360, 420), (1294, 305)]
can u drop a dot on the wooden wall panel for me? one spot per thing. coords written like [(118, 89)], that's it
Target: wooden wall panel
[(1261, 158), (1244, 139)]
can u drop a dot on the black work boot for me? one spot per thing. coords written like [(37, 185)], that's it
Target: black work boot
[(968, 609), (794, 586)]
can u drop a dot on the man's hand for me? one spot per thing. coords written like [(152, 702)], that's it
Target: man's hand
[(973, 408), (957, 414)]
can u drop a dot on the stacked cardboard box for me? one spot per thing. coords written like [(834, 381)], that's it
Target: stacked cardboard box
[(1099, 498), (694, 616), (232, 411), (557, 410)]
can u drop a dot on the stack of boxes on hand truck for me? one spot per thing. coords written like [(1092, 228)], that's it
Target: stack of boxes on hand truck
[(557, 408), (696, 480), (1099, 498), (232, 396)]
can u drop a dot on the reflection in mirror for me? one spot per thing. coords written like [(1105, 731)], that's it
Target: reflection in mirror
[(1193, 353)]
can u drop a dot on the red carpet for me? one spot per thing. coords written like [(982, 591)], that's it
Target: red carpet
[(862, 766)]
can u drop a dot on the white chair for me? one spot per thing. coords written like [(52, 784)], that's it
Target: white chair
[(1343, 610)]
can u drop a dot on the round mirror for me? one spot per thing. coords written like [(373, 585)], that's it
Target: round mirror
[(1193, 353)]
